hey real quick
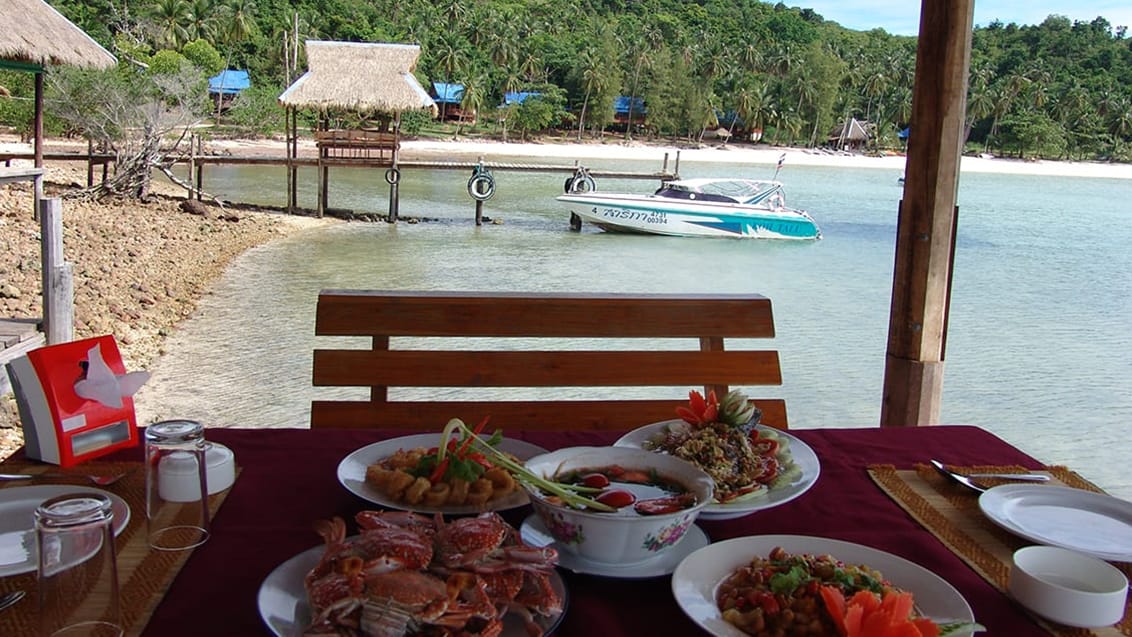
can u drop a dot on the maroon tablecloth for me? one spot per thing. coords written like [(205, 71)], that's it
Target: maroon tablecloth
[(289, 480)]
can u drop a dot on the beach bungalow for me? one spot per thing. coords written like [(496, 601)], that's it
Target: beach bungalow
[(448, 98), (629, 111), (853, 134), (225, 86)]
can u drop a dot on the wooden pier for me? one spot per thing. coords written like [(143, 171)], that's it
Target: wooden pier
[(197, 163)]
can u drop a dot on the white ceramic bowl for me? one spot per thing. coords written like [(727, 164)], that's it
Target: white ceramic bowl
[(1068, 587), (617, 539), (178, 478)]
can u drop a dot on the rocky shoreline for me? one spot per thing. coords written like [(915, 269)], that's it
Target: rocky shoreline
[(139, 268)]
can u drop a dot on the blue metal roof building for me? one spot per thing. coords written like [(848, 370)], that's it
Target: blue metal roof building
[(229, 82), (445, 93), (518, 97), (621, 105)]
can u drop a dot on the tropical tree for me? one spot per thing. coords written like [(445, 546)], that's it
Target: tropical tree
[(172, 19)]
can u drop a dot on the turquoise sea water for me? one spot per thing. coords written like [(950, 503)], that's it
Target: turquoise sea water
[(1040, 337)]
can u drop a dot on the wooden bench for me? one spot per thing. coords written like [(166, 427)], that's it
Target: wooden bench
[(598, 322)]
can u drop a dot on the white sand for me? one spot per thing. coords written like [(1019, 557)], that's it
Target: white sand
[(754, 155), (466, 149)]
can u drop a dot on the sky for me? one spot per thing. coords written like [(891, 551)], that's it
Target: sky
[(902, 17)]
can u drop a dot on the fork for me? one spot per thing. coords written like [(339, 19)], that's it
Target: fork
[(100, 480), (10, 599)]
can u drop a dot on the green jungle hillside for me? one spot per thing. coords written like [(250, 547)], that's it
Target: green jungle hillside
[(1058, 90)]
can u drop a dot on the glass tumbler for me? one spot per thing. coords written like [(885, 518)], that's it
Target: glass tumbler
[(77, 568), (176, 485)]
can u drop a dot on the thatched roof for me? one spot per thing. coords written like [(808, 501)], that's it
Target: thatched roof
[(852, 130), (35, 33), (361, 77)]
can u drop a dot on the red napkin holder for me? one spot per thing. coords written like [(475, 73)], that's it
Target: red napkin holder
[(61, 427)]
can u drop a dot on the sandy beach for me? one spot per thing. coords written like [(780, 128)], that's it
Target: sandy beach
[(740, 153), (141, 268)]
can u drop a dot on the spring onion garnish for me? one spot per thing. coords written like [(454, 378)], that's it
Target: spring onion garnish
[(570, 494)]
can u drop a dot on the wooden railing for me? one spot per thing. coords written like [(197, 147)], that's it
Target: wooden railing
[(356, 144)]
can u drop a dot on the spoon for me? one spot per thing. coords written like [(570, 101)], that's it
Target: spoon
[(10, 599), (101, 481), (956, 477), (1025, 477)]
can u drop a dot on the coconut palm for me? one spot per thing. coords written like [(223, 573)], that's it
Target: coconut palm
[(172, 19)]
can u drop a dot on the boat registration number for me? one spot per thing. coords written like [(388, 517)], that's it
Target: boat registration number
[(634, 215)]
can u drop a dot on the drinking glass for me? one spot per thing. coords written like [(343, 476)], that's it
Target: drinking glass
[(176, 485), (77, 567)]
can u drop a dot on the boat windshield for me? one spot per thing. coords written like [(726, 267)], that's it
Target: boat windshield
[(743, 191)]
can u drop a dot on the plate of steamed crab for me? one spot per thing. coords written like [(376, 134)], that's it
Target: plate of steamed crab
[(404, 573)]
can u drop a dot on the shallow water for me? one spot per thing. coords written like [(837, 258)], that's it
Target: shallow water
[(1039, 345)]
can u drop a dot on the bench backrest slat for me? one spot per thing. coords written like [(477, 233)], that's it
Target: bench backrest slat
[(702, 324)]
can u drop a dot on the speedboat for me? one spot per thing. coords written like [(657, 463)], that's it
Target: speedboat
[(706, 207)]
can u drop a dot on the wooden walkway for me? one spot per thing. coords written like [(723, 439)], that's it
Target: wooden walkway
[(17, 336)]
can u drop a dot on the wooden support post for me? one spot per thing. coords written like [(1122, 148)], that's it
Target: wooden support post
[(925, 234), (37, 130), (290, 165), (479, 212), (58, 281), (394, 197), (200, 169), (192, 164), (89, 163)]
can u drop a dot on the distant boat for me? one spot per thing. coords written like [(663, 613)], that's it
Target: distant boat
[(707, 207)]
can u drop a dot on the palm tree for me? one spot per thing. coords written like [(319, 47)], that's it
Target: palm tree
[(204, 19), (172, 18), (241, 20)]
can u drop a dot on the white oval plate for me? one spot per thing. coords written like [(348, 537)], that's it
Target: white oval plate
[(352, 473), (534, 533), (1055, 515), (282, 599), (801, 453), (17, 522), (696, 579)]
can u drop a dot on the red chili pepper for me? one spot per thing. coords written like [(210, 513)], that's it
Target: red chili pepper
[(660, 506), (595, 480), (476, 431), (480, 459), (438, 473), (616, 498)]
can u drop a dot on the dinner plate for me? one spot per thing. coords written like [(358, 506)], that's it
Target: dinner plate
[(803, 456), (282, 599), (1093, 523), (695, 580), (17, 522), (352, 474), (534, 532)]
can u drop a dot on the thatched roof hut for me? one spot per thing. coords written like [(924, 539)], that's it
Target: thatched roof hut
[(361, 77), (36, 34)]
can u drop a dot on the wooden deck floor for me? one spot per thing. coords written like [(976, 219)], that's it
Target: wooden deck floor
[(17, 336)]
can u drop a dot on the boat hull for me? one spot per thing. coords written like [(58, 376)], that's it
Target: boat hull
[(658, 215)]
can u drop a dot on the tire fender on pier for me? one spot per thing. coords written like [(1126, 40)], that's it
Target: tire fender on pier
[(392, 176), (481, 186)]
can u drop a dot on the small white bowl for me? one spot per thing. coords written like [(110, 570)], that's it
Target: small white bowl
[(1068, 587), (610, 538), (178, 475)]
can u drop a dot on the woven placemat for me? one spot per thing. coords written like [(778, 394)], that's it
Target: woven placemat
[(952, 514), (144, 575)]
